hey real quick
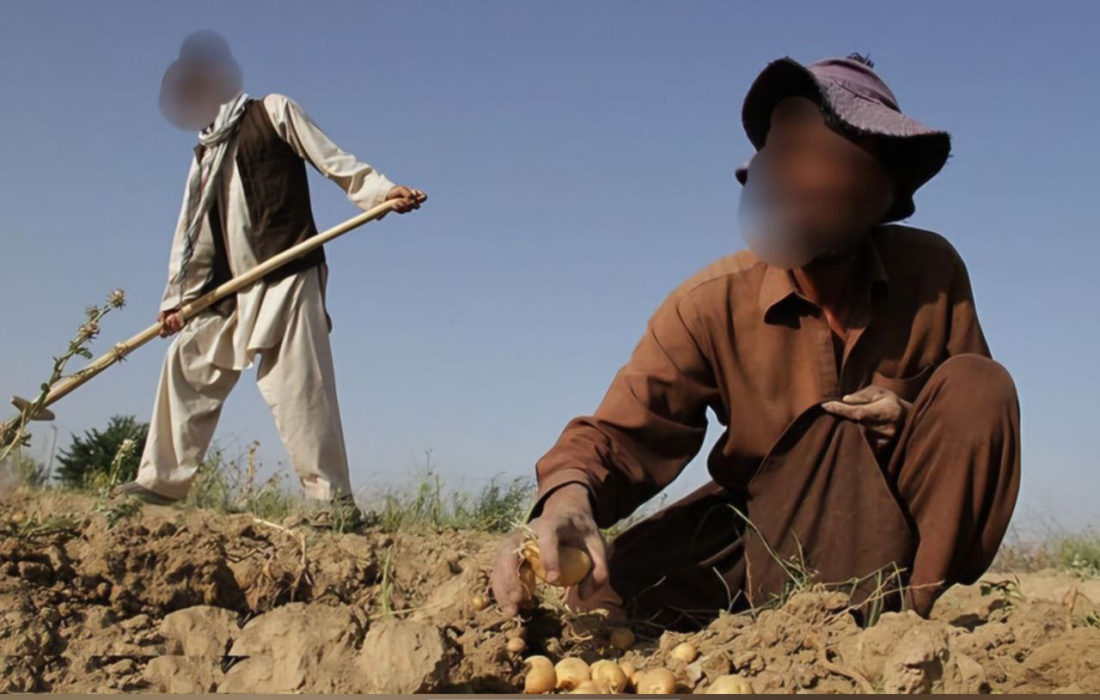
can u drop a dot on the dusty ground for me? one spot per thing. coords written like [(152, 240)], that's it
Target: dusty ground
[(175, 601)]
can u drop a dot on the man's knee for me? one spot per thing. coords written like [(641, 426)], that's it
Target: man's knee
[(973, 387)]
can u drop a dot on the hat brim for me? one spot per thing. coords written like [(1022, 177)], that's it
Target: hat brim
[(924, 150), (174, 107)]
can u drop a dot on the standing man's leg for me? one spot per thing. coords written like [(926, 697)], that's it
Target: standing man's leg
[(185, 412), (298, 381)]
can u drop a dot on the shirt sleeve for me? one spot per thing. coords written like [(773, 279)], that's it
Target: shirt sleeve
[(650, 424), (966, 334), (364, 185), (179, 291)]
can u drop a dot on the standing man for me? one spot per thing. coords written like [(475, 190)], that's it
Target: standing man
[(247, 199), (870, 438)]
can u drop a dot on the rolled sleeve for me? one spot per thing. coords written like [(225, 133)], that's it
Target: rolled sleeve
[(650, 424)]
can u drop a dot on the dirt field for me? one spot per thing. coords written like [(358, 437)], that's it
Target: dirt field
[(189, 601)]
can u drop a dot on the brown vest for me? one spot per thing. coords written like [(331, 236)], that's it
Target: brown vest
[(276, 191)]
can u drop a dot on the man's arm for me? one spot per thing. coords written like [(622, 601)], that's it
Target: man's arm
[(365, 186), (650, 424), (180, 290), (966, 334)]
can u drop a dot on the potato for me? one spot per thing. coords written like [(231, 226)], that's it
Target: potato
[(685, 652), (589, 688), (729, 685), (622, 638), (609, 674), (480, 601), (628, 671), (571, 672), (540, 678), (656, 681), (573, 562), (516, 645)]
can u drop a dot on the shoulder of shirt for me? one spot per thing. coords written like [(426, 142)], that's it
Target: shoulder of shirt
[(910, 241), (728, 269), (275, 98), (277, 103)]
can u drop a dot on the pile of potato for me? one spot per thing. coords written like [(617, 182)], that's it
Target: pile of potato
[(604, 677)]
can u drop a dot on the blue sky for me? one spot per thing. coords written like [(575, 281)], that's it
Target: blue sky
[(579, 160)]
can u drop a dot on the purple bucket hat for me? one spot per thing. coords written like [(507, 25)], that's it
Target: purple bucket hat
[(861, 100)]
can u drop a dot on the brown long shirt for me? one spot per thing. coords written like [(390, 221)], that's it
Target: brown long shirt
[(739, 338)]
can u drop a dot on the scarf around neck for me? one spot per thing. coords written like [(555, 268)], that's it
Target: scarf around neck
[(202, 186)]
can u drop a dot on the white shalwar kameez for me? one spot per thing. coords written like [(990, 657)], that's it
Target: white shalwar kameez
[(284, 322)]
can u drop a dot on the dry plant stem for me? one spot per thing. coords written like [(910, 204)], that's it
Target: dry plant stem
[(303, 570), (64, 387), (833, 667), (12, 432)]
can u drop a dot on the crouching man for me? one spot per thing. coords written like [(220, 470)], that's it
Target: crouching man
[(870, 438)]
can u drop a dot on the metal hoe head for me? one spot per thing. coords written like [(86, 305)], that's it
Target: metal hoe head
[(24, 405)]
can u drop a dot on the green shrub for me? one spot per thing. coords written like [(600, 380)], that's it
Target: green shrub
[(88, 460)]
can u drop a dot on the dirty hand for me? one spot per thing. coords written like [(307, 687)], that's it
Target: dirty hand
[(880, 411), (170, 322), (566, 519), (409, 198)]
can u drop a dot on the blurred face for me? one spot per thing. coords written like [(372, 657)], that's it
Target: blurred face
[(810, 193), (200, 95)]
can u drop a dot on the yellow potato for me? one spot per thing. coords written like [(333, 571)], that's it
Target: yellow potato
[(589, 688), (480, 601), (609, 674), (685, 652), (540, 678), (622, 638), (629, 672), (656, 681), (574, 564), (516, 645), (571, 672), (730, 685)]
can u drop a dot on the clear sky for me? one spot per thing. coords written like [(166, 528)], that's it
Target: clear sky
[(579, 158)]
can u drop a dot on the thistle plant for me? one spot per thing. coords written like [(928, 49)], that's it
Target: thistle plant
[(13, 433)]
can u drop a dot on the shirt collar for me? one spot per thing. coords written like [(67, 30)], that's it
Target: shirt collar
[(778, 289)]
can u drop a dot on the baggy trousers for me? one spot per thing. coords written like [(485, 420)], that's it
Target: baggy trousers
[(896, 533), (295, 377)]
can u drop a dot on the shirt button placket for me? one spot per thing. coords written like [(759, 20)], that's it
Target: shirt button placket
[(826, 357)]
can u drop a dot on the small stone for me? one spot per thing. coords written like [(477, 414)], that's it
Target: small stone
[(179, 674), (201, 631), (122, 667), (36, 571), (136, 622), (402, 657)]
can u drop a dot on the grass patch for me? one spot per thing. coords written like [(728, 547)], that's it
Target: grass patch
[(427, 505), (230, 485), (1075, 552), (1080, 553)]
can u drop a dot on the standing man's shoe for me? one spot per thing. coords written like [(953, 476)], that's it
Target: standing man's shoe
[(343, 516), (133, 488)]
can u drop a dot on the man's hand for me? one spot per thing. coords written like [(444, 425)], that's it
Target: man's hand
[(409, 198), (880, 411), (566, 519), (170, 322)]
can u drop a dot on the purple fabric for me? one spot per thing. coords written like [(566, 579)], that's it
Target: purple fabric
[(857, 77)]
